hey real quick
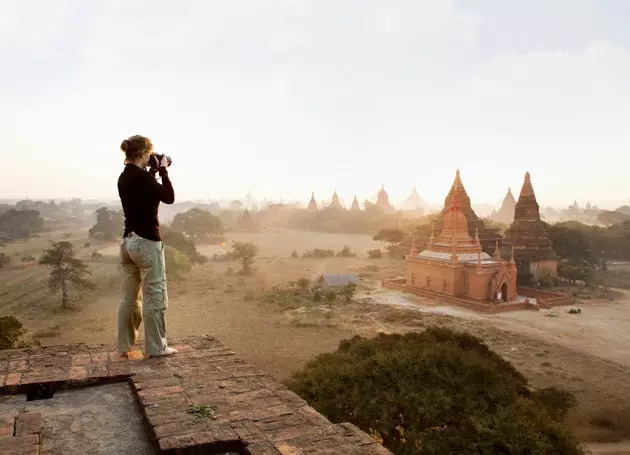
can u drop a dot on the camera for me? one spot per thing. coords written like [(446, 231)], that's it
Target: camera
[(154, 162)]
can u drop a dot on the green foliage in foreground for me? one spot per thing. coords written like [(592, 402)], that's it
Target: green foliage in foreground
[(436, 392)]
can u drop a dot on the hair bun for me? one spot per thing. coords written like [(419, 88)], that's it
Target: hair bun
[(123, 145)]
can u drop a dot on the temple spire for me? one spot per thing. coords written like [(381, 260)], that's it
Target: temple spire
[(528, 189), (497, 252)]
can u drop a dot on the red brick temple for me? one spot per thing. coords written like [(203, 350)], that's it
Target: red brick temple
[(529, 238), (312, 205), (488, 237), (455, 264)]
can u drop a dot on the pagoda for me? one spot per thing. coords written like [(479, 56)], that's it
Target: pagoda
[(506, 212), (335, 204), (414, 201), (312, 205), (454, 263), (247, 223), (529, 238), (488, 237), (355, 205), (382, 201)]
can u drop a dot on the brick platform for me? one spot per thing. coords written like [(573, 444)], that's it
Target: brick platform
[(243, 410)]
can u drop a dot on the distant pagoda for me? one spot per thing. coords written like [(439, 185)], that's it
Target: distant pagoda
[(506, 212), (488, 237), (335, 204), (312, 205), (355, 205), (382, 201), (414, 201), (529, 238)]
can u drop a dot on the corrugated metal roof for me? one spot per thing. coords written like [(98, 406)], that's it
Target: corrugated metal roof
[(335, 280)]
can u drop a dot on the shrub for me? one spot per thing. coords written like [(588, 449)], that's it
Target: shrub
[(294, 254), (346, 253), (319, 253), (177, 264), (5, 260), (436, 392), (375, 254)]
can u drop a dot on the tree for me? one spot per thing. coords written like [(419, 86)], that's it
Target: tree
[(571, 243), (199, 225), (246, 252), (436, 392), (20, 224), (391, 236), (10, 332), (5, 260), (177, 264), (183, 245), (610, 217), (65, 269), (109, 224), (576, 272), (348, 291)]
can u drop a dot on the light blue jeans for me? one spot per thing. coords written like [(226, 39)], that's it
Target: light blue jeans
[(143, 294)]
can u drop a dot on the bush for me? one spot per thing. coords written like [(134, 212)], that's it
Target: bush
[(346, 253), (5, 260), (177, 264), (10, 332), (548, 281), (294, 254), (436, 392), (375, 254), (319, 253)]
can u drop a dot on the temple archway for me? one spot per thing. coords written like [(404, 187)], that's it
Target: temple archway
[(504, 292)]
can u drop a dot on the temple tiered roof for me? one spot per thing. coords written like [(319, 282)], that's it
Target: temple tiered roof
[(528, 234)]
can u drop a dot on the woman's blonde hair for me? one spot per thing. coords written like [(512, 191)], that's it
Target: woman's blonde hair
[(135, 147)]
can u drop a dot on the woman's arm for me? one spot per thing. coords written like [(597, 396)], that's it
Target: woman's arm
[(164, 192)]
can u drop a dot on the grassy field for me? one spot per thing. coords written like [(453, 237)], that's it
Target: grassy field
[(214, 299)]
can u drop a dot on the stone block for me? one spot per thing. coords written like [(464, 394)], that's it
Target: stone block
[(99, 357), (262, 448), (18, 365), (13, 379), (77, 373), (28, 423), (7, 426), (13, 444)]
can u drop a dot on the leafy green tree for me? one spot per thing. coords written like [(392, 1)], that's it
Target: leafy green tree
[(109, 224), (246, 252), (20, 224), (348, 291), (576, 272), (433, 393), (65, 269), (570, 242), (199, 226), (177, 264), (182, 244)]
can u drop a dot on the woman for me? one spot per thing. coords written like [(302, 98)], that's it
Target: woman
[(142, 250)]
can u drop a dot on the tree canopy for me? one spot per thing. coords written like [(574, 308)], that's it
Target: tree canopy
[(182, 244), (199, 225), (436, 392), (20, 224), (65, 269), (109, 224)]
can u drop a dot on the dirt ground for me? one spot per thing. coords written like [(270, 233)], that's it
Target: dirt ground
[(585, 353)]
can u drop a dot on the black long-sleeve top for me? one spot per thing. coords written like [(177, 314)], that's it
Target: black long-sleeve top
[(141, 195)]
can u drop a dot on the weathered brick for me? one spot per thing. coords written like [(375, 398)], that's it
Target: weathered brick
[(80, 359), (180, 428), (262, 448), (28, 423), (7, 425), (18, 365), (98, 370), (99, 357), (157, 392), (77, 373), (13, 379), (288, 449), (121, 368), (12, 444)]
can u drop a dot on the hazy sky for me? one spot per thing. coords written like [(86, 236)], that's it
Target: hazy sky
[(285, 97)]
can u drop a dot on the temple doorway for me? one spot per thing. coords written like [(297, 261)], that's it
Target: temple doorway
[(504, 292)]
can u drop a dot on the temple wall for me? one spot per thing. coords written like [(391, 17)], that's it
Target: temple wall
[(478, 286), (541, 268), (435, 278)]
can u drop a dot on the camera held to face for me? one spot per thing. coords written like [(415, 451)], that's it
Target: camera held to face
[(154, 162)]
